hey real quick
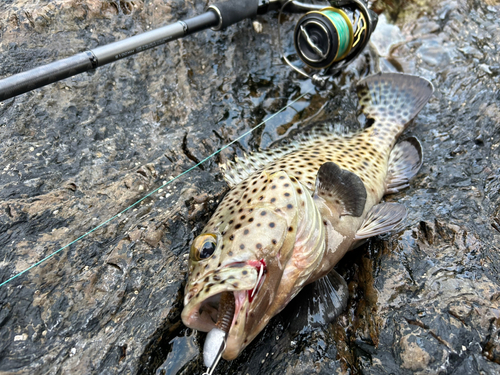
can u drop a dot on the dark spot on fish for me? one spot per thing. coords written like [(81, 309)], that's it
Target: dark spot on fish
[(287, 194), (249, 200), (289, 206), (286, 185), (258, 246), (273, 187), (236, 323), (223, 282), (274, 241), (217, 278), (232, 235), (250, 220), (242, 217), (230, 253), (282, 177), (273, 200), (240, 210), (271, 225), (246, 231), (230, 277), (299, 191), (219, 264), (207, 279), (231, 221), (324, 222), (245, 195), (222, 247), (290, 229), (206, 266), (263, 213), (198, 274), (237, 226), (245, 272), (223, 233), (258, 224), (261, 197), (235, 285)]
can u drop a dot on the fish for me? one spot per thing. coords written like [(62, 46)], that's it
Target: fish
[(293, 212)]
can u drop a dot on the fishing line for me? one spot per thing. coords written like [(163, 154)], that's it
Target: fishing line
[(154, 191)]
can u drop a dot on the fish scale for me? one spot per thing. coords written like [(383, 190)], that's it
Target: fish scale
[(293, 212)]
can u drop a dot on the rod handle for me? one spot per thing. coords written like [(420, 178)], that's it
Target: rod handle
[(233, 11)]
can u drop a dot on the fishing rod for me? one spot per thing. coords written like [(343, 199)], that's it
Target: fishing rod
[(326, 38)]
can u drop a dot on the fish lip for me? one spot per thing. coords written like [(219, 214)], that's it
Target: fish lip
[(243, 298), (192, 315)]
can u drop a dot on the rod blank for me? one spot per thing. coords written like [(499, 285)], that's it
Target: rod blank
[(43, 75)]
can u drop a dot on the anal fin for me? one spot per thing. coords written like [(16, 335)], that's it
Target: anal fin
[(404, 163), (381, 219)]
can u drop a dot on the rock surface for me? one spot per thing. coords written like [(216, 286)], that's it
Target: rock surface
[(425, 300)]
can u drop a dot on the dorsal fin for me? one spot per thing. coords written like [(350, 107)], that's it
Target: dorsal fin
[(393, 98), (239, 170), (341, 188)]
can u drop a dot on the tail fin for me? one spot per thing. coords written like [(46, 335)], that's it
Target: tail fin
[(393, 98)]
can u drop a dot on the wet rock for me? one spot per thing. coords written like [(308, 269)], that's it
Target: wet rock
[(76, 153)]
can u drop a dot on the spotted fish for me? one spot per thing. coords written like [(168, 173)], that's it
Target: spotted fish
[(294, 212)]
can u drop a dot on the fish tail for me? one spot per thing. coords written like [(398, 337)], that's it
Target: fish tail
[(391, 100)]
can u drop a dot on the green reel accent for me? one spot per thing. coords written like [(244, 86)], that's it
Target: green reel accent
[(323, 37), (344, 31)]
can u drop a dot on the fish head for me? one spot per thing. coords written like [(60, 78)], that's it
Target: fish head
[(243, 250)]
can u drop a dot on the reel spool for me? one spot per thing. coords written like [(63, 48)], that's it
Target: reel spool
[(330, 38)]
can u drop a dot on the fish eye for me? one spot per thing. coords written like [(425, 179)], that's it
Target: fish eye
[(204, 246)]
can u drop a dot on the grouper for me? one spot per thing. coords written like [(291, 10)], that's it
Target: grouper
[(293, 212)]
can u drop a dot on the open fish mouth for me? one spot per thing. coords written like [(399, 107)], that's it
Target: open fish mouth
[(226, 305)]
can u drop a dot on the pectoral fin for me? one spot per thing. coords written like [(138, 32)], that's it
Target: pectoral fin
[(341, 188), (404, 162), (381, 219)]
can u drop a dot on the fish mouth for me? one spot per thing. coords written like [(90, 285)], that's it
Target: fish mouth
[(208, 313)]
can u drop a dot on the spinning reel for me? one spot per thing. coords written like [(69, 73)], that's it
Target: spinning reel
[(330, 38)]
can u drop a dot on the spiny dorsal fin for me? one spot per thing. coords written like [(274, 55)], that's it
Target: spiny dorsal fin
[(341, 188), (239, 170), (393, 97), (381, 219), (404, 162)]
